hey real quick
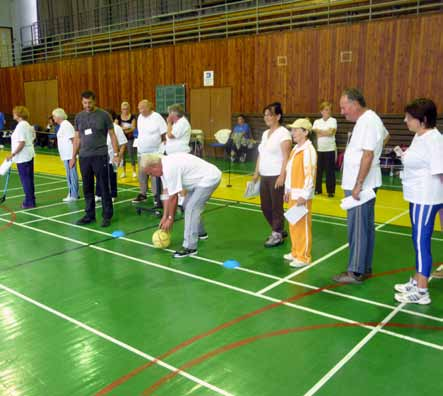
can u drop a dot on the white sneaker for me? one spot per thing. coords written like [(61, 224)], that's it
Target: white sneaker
[(113, 199), (134, 175), (405, 287), (289, 256), (67, 199), (97, 198), (413, 297), (297, 263), (122, 175)]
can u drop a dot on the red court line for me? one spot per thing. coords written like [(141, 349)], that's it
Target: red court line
[(249, 340), (4, 227), (225, 325)]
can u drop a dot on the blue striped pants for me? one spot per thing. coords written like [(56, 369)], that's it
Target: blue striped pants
[(422, 220)]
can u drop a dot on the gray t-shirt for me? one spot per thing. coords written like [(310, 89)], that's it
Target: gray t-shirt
[(93, 129)]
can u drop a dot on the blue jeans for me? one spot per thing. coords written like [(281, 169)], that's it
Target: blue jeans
[(361, 236), (72, 179)]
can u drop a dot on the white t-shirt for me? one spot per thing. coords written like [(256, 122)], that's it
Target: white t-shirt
[(23, 132), (65, 134), (271, 155), (423, 163), (368, 134), (182, 134), (325, 143), (183, 171), (121, 140), (150, 129)]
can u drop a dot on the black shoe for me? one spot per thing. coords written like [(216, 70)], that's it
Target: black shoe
[(139, 198), (203, 237), (317, 192), (330, 195), (85, 220), (105, 223), (185, 252), (284, 234)]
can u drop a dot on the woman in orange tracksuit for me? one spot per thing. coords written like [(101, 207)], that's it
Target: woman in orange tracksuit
[(299, 190)]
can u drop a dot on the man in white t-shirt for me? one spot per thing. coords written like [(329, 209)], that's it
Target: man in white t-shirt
[(183, 171), (361, 171), (179, 131), (150, 126)]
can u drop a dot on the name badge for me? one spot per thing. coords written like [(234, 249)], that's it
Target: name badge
[(88, 131)]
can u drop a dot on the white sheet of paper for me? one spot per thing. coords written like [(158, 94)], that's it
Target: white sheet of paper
[(135, 143), (252, 189), (4, 167), (294, 214), (365, 196), (88, 131)]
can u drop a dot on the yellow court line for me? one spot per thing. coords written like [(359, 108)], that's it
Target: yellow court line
[(389, 203)]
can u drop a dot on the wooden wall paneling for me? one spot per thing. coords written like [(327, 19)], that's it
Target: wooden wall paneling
[(220, 109), (326, 68)]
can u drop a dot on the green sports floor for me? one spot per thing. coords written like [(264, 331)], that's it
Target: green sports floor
[(84, 313)]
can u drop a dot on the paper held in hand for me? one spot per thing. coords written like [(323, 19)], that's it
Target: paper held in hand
[(294, 214), (365, 196), (4, 167), (252, 189)]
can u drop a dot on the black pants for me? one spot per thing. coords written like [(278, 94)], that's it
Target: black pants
[(326, 162), (112, 183), (272, 202), (96, 166)]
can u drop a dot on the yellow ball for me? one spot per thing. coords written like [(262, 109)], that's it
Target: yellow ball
[(161, 239)]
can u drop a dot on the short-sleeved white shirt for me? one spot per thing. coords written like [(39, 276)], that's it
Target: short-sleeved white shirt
[(423, 163), (183, 171), (23, 132), (150, 129), (65, 134), (121, 140), (271, 155), (182, 134), (325, 143), (368, 134)]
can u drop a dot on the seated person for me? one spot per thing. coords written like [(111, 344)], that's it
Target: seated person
[(239, 140)]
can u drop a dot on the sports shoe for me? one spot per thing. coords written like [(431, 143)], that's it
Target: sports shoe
[(297, 263), (185, 252), (348, 277), (97, 198), (85, 220), (413, 297), (289, 256), (122, 175), (275, 239), (27, 206), (105, 223), (134, 175), (139, 198), (113, 199), (69, 199), (438, 273), (203, 237), (405, 287)]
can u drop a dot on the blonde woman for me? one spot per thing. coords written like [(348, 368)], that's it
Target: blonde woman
[(299, 190), (127, 122), (325, 129), (22, 153), (65, 137)]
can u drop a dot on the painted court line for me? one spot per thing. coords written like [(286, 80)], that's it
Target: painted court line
[(228, 286), (37, 185), (243, 269), (113, 340)]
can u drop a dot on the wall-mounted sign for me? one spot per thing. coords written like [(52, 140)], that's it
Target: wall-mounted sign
[(208, 78)]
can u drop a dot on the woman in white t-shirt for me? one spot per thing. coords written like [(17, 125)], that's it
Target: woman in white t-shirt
[(325, 129), (273, 154), (22, 153), (65, 137), (422, 180)]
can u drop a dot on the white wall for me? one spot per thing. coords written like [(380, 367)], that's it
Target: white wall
[(5, 13)]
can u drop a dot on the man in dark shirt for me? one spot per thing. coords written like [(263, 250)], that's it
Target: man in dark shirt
[(92, 126)]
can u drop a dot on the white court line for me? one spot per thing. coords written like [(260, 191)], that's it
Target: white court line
[(114, 341), (37, 185), (39, 192), (353, 352), (230, 287), (323, 258)]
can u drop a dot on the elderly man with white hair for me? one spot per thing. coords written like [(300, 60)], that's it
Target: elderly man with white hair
[(183, 171), (65, 136)]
